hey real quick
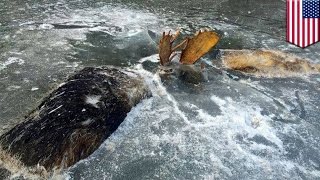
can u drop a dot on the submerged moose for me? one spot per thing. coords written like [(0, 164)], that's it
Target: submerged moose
[(74, 119), (268, 63)]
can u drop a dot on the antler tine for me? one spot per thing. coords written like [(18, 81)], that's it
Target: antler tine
[(197, 33), (175, 36)]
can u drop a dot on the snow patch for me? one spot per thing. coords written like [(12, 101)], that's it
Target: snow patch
[(131, 74), (218, 101), (153, 58), (34, 88), (87, 122), (46, 26), (12, 88), (247, 120), (93, 100), (113, 20), (11, 60)]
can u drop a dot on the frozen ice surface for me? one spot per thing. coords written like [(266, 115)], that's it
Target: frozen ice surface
[(225, 130)]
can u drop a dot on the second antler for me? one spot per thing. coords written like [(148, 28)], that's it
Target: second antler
[(192, 48)]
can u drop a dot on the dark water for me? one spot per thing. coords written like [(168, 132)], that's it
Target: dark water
[(232, 127)]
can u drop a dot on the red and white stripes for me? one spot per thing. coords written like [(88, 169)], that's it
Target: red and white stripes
[(301, 31)]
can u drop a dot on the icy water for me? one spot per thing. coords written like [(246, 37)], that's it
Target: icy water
[(233, 126)]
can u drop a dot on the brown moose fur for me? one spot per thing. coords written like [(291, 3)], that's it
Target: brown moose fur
[(268, 63)]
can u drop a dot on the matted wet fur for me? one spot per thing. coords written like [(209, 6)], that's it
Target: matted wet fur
[(76, 118), (16, 168), (267, 63)]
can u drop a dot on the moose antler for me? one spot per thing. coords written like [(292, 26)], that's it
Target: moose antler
[(193, 48), (198, 46), (165, 47)]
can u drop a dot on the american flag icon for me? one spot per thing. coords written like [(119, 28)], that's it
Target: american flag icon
[(303, 27)]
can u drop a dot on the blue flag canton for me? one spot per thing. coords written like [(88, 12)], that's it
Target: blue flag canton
[(311, 8)]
